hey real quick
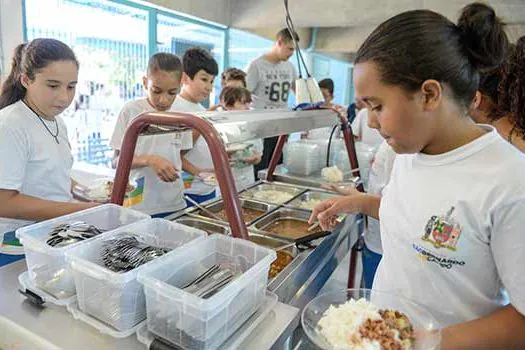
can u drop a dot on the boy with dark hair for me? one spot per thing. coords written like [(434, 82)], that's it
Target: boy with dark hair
[(270, 79), (327, 89), (200, 69)]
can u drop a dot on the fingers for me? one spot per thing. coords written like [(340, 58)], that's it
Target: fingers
[(168, 173), (318, 209)]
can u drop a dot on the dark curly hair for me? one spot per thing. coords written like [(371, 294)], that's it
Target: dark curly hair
[(512, 87)]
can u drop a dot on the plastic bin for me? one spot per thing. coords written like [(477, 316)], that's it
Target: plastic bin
[(116, 298), (47, 265), (194, 323), (237, 339)]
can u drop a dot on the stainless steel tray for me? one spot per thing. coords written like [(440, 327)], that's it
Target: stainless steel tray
[(251, 193), (310, 195), (216, 207), (205, 225), (283, 214)]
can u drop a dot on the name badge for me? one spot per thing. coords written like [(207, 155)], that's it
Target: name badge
[(183, 139)]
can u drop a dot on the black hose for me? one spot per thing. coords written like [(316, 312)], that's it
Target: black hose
[(330, 145)]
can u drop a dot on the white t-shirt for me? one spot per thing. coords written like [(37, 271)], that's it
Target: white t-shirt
[(452, 227), (31, 161), (378, 178), (152, 195), (361, 129), (271, 83), (199, 155)]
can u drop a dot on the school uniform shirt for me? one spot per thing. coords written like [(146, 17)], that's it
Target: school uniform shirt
[(361, 129), (378, 178), (151, 195), (271, 83), (31, 161), (452, 227), (199, 155)]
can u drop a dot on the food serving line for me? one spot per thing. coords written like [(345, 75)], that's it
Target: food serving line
[(270, 222)]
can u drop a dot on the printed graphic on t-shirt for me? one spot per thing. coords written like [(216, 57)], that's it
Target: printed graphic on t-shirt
[(278, 85), (137, 195), (441, 231)]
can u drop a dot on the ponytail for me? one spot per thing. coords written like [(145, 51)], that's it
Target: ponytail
[(12, 89)]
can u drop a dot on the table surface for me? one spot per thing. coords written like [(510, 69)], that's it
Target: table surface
[(56, 325)]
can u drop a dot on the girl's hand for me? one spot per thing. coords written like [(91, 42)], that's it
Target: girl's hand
[(327, 211)]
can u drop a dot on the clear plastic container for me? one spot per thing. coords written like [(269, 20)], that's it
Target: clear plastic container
[(116, 298), (194, 323), (323, 149), (101, 326), (237, 339), (47, 265), (302, 158)]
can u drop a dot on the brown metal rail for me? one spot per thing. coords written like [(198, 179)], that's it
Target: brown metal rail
[(219, 157), (352, 157)]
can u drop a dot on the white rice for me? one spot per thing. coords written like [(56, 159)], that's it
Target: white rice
[(340, 323)]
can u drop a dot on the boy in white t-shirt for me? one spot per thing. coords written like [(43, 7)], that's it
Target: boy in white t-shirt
[(453, 214), (200, 70), (156, 163)]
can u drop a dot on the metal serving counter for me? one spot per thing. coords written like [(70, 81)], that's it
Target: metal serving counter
[(304, 277), (58, 327), (314, 180)]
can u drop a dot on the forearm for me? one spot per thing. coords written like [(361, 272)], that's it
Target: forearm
[(22, 207), (368, 204), (188, 167), (141, 161), (503, 329)]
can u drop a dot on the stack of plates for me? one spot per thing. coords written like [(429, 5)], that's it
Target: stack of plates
[(302, 158)]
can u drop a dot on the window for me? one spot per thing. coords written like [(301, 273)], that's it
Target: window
[(112, 63), (340, 72), (245, 47), (113, 40), (176, 36)]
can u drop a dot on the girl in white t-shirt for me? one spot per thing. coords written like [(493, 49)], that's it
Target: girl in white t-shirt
[(453, 214), (239, 99), (35, 155), (157, 160)]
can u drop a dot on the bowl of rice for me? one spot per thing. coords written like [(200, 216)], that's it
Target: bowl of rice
[(364, 319)]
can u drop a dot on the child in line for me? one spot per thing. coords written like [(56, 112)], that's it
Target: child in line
[(200, 70), (243, 161), (157, 161), (453, 213), (233, 77), (35, 154)]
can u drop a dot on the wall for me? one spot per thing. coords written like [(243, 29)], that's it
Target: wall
[(218, 11), (11, 31)]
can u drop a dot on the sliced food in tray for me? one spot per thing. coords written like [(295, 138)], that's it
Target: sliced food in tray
[(271, 193)]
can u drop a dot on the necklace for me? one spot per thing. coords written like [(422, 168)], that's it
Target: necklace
[(55, 136)]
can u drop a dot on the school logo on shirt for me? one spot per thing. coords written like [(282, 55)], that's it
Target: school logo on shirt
[(441, 232)]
